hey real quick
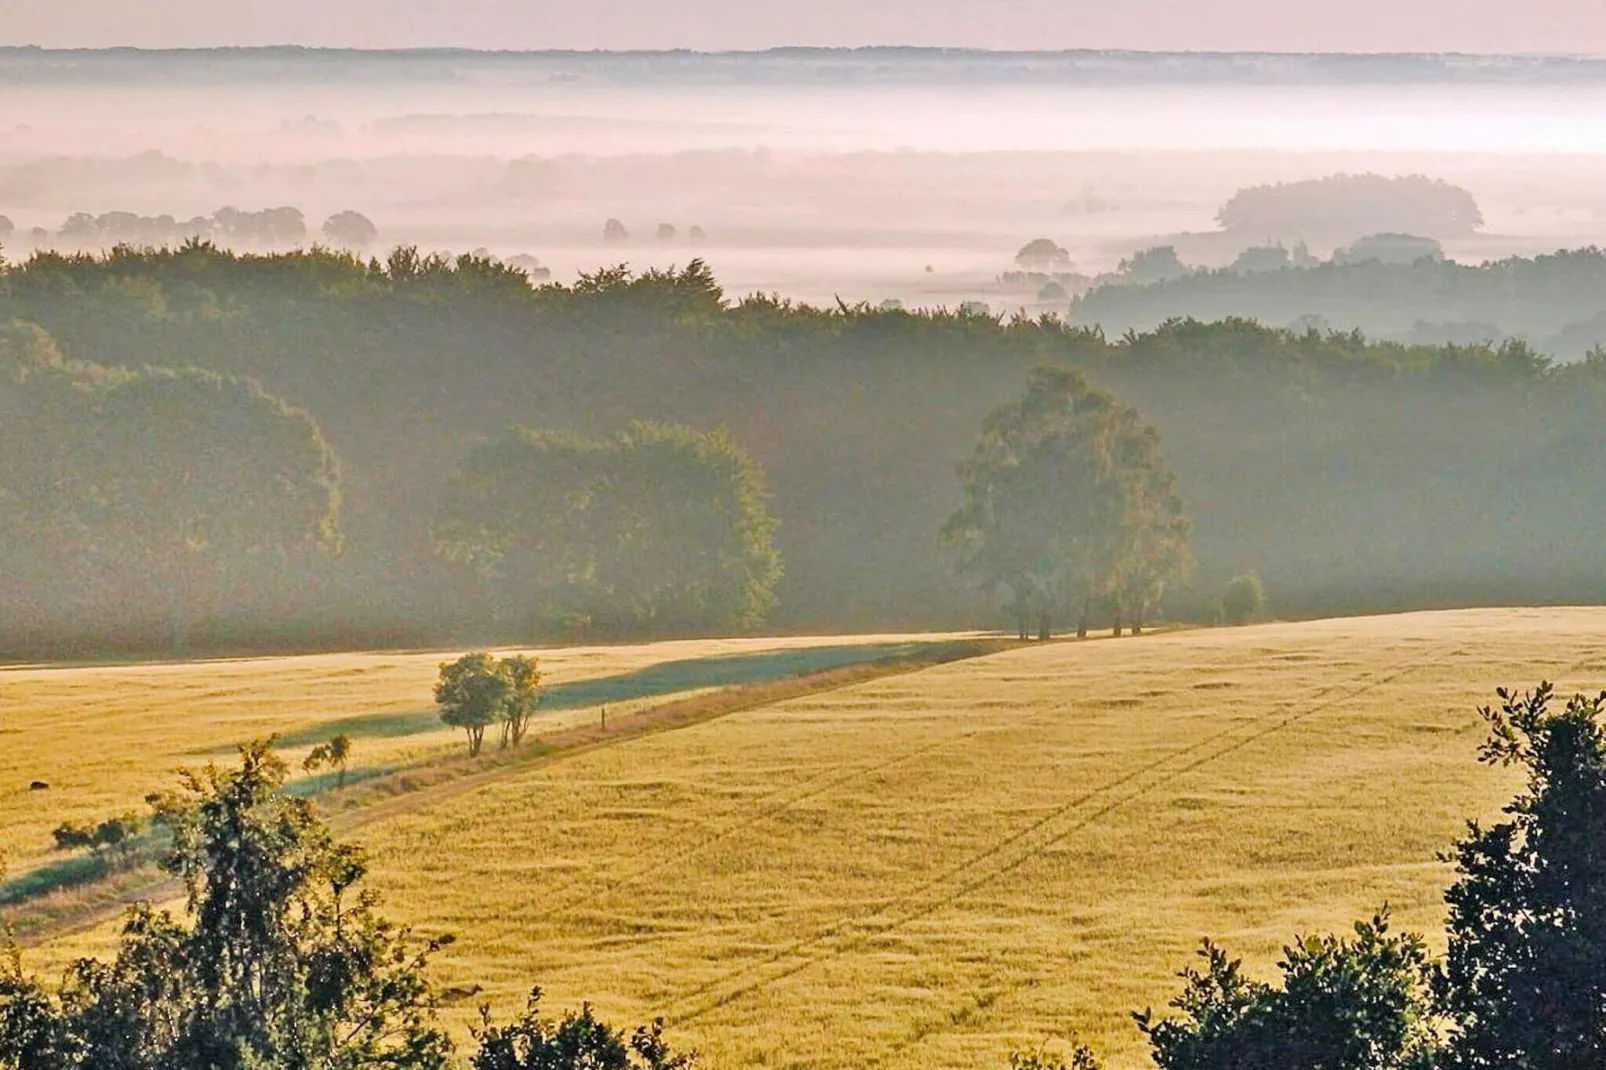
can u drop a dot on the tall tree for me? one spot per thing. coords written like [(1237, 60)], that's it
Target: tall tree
[(1524, 981), (1156, 536), (472, 693), (523, 696), (1064, 486)]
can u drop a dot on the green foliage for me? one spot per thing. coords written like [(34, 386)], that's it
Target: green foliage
[(1068, 500), (1524, 980), (333, 753), (473, 694), (1344, 1004), (1081, 1058), (152, 494), (579, 1041), (523, 696), (1244, 599), (113, 836), (659, 525), (283, 964)]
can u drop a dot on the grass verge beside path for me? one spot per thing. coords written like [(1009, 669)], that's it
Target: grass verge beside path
[(63, 910)]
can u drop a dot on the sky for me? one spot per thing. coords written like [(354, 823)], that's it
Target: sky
[(1497, 26)]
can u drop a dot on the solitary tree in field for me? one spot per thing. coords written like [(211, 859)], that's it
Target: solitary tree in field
[(1063, 489), (331, 755), (472, 693), (524, 695)]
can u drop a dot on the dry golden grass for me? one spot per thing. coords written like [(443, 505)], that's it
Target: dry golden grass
[(103, 737), (934, 869)]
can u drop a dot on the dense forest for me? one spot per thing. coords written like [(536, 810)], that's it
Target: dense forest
[(1350, 475)]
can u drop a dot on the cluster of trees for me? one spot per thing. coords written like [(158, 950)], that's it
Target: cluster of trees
[(1352, 475), (149, 494), (233, 227), (658, 525), (280, 962), (1391, 285), (615, 231), (113, 837), (1068, 503), (1345, 207), (478, 691)]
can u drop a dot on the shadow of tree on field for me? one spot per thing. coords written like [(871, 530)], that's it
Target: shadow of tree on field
[(668, 678)]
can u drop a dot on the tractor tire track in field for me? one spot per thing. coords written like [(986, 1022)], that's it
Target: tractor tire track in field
[(1013, 851), (672, 851)]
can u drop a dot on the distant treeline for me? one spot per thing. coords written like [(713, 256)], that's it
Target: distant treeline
[(1556, 302), (1350, 206), (266, 228), (1350, 475)]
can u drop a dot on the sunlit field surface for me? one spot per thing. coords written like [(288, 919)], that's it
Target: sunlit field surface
[(935, 869), (104, 737)]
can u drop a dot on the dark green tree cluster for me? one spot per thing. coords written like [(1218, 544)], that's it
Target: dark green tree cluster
[(1068, 505), (1522, 985), (578, 1041), (149, 495), (478, 691), (113, 837), (657, 525), (280, 962)]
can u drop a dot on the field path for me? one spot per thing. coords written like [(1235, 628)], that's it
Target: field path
[(413, 789)]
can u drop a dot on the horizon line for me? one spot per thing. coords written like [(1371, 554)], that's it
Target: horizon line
[(785, 49)]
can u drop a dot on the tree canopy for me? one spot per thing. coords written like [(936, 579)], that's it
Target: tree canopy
[(152, 495), (657, 524), (1068, 501)]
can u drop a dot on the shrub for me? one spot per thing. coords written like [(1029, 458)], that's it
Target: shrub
[(1244, 599)]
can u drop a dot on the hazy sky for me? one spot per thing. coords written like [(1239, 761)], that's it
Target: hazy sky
[(1281, 25)]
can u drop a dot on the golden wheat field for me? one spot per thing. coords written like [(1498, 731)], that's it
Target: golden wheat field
[(935, 869), (105, 736)]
